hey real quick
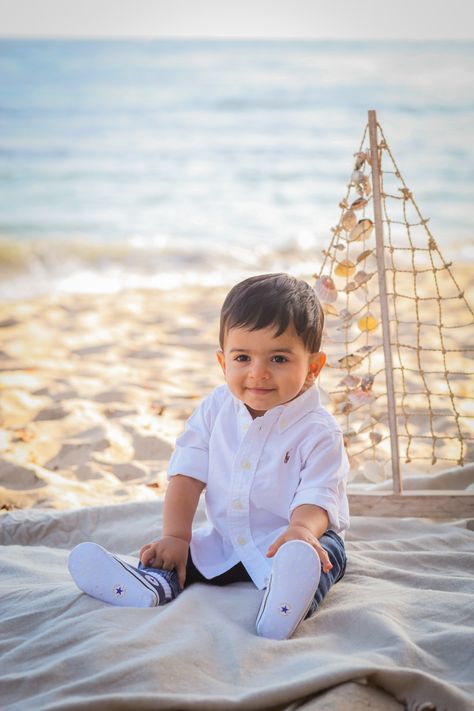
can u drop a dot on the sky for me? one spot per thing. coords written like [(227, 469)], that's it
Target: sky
[(319, 19)]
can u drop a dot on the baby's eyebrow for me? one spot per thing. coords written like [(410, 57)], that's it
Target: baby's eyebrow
[(274, 350)]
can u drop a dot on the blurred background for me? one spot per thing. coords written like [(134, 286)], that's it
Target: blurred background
[(149, 146)]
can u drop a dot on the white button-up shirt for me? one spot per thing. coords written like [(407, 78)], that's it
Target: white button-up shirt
[(257, 471)]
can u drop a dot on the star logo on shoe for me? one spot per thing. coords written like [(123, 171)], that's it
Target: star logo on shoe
[(119, 590), (285, 609)]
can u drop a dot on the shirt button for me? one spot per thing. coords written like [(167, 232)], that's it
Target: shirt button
[(245, 427), (245, 464), (283, 423), (237, 504), (241, 540)]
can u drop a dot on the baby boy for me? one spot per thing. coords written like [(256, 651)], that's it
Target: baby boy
[(272, 463)]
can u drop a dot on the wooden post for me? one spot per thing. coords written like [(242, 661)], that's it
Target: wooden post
[(380, 253)]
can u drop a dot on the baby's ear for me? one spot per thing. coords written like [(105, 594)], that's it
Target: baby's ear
[(317, 363), (221, 359)]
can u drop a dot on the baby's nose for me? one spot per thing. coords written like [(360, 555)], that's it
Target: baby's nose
[(259, 369)]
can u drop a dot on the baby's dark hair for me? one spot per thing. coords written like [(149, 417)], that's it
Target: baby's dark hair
[(274, 300)]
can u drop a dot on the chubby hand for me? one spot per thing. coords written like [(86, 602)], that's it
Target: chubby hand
[(300, 533), (169, 553)]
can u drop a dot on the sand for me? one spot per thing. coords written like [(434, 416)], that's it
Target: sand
[(94, 390)]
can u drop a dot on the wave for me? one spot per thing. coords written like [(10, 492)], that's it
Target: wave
[(34, 267)]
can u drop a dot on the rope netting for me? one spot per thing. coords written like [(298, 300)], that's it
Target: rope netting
[(428, 321)]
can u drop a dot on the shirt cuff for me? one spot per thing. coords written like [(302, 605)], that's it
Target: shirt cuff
[(319, 497)]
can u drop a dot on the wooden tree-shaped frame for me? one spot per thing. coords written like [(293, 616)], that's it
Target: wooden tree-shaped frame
[(405, 391)]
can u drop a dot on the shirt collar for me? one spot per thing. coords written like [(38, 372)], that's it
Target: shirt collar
[(288, 413)]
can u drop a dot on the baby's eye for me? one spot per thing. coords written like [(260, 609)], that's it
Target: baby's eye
[(242, 358), (279, 359)]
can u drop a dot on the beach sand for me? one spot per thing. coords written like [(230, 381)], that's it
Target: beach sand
[(95, 388)]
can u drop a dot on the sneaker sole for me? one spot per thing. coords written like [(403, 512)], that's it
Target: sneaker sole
[(104, 577), (294, 580)]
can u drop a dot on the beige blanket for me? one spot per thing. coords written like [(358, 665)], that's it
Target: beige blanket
[(399, 626)]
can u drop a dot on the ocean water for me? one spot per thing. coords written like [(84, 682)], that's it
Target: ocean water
[(166, 163)]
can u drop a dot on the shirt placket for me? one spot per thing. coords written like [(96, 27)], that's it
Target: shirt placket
[(244, 468)]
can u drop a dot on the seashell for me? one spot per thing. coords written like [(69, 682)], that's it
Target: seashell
[(348, 434), (375, 437), (345, 315), (345, 268), (367, 323), (349, 220), (374, 471), (340, 246), (357, 177), (360, 397), (366, 185), (350, 361), (364, 255), (326, 289), (359, 203), (330, 310), (362, 230), (350, 381), (367, 382), (366, 349), (350, 286), (360, 159), (362, 277)]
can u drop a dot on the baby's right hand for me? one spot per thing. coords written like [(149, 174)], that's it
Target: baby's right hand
[(169, 553)]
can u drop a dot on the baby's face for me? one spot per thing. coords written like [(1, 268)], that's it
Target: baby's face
[(264, 370)]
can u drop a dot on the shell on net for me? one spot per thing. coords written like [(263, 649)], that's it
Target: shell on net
[(345, 315), (375, 437), (359, 397), (362, 277), (362, 230), (349, 220), (367, 323), (330, 310), (366, 349), (360, 159), (350, 361), (364, 255), (367, 382), (325, 289), (359, 203), (350, 286), (345, 268), (357, 177), (350, 381), (366, 185)]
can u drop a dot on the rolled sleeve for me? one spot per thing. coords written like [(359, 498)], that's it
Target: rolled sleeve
[(322, 481), (191, 455)]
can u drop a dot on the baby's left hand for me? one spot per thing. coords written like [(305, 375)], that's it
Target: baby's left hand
[(300, 533)]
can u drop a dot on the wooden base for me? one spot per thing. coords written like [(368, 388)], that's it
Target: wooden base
[(427, 503)]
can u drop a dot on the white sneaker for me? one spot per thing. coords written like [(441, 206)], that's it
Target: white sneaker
[(294, 580), (105, 577)]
